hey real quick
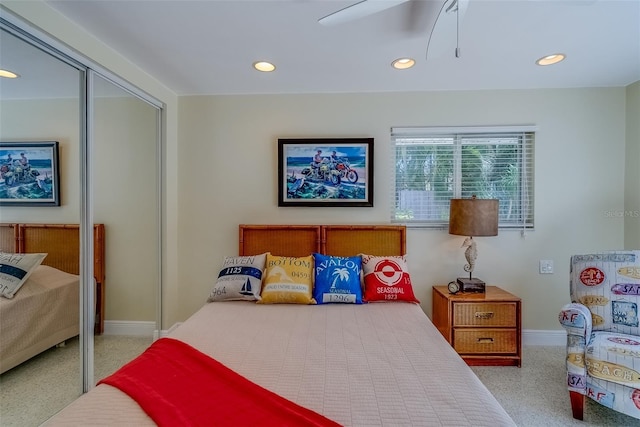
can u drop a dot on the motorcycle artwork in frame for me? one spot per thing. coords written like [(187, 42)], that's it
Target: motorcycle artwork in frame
[(325, 172), (29, 174)]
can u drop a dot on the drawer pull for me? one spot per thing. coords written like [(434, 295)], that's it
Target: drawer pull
[(485, 341), (484, 314)]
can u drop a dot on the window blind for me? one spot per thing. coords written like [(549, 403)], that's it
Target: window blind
[(435, 165)]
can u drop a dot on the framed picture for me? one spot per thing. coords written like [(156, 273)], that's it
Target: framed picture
[(325, 172), (29, 174)]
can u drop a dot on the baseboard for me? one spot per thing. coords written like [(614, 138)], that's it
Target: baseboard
[(541, 337), (164, 332), (130, 328)]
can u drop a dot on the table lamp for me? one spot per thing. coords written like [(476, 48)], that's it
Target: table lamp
[(472, 217)]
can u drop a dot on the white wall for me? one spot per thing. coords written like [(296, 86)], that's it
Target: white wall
[(632, 170), (228, 175)]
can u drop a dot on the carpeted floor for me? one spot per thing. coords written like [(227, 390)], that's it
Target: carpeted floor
[(534, 395), (30, 393)]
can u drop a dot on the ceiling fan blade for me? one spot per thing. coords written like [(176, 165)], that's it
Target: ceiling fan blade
[(444, 34), (358, 10)]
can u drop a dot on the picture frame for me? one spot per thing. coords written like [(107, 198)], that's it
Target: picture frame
[(327, 172), (29, 174)]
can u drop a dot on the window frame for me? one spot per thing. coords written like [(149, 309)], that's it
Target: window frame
[(526, 143)]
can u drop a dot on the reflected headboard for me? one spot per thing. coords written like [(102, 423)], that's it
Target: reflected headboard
[(337, 240), (62, 244)]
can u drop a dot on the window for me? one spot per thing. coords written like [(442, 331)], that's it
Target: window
[(434, 165)]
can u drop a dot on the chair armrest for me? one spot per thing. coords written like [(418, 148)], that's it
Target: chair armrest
[(576, 319)]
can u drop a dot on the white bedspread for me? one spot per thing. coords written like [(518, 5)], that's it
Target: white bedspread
[(360, 365)]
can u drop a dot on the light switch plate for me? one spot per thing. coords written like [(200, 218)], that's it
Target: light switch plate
[(546, 266)]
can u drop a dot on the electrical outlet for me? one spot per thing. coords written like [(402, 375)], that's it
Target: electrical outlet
[(546, 266)]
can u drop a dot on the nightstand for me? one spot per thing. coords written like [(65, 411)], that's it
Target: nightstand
[(484, 328)]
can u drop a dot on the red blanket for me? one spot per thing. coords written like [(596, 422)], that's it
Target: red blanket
[(176, 385)]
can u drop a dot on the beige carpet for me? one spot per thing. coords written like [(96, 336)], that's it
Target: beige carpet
[(534, 395), (30, 393)]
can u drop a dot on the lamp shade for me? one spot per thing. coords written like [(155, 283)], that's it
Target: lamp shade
[(473, 217)]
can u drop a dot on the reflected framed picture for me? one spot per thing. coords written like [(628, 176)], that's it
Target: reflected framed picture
[(325, 172), (29, 174)]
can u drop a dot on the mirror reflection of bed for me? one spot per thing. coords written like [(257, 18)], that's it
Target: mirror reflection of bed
[(45, 311)]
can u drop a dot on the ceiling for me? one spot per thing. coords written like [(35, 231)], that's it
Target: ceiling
[(208, 47)]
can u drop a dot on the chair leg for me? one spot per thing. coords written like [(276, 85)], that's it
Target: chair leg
[(577, 404)]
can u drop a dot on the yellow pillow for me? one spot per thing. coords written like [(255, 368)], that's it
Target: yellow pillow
[(288, 280)]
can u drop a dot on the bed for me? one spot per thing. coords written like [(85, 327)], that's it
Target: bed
[(45, 311), (374, 364)]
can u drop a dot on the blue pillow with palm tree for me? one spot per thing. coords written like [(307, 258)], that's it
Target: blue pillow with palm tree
[(337, 279)]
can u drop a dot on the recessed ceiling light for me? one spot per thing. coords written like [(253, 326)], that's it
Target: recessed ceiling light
[(403, 63), (551, 59), (264, 66), (8, 74)]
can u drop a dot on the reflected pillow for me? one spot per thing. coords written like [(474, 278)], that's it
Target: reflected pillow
[(239, 279), (288, 280), (15, 269), (337, 279), (386, 278)]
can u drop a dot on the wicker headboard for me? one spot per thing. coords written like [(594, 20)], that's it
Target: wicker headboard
[(338, 240), (62, 244)]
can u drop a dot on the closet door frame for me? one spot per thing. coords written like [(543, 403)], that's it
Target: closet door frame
[(88, 70)]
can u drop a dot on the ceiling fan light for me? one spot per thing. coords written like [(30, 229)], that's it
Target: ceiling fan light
[(264, 66), (403, 63), (551, 59), (8, 74)]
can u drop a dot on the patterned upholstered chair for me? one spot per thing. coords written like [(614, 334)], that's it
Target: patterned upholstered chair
[(603, 336)]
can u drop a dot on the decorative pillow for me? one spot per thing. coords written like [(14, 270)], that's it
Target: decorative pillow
[(337, 279), (239, 279), (15, 269), (386, 278), (288, 280)]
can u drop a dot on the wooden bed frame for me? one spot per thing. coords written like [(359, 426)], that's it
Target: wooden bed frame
[(62, 244), (337, 240)]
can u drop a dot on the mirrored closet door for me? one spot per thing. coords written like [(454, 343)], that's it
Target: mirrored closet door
[(109, 136), (42, 103), (126, 199)]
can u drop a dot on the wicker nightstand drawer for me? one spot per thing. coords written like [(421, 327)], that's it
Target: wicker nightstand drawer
[(484, 314), (484, 328), (493, 341)]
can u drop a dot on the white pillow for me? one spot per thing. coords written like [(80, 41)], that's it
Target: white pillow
[(240, 278), (15, 269)]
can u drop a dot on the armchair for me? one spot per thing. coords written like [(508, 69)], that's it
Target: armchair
[(603, 336)]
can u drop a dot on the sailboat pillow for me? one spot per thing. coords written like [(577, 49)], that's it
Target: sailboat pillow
[(239, 279)]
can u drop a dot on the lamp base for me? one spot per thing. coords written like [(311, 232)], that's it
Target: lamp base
[(470, 284)]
